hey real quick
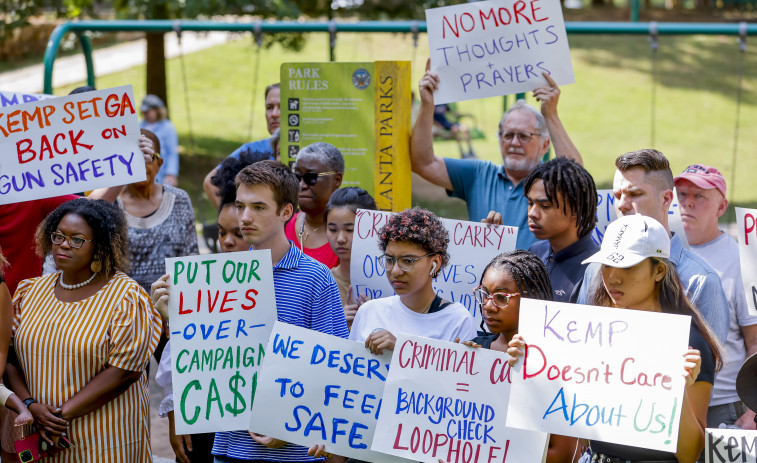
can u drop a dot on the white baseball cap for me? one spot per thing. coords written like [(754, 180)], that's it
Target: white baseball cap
[(631, 239)]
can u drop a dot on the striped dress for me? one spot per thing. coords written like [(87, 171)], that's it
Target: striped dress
[(62, 346)]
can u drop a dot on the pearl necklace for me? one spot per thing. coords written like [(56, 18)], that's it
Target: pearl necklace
[(76, 286)]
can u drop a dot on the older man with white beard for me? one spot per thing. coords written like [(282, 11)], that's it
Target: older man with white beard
[(494, 193)]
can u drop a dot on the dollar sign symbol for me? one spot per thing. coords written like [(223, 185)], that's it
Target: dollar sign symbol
[(234, 387)]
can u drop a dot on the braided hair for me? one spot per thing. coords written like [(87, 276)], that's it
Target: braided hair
[(528, 272), (576, 187), (228, 170)]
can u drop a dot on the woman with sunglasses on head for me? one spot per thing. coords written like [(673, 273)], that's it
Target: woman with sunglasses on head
[(319, 168), (83, 337)]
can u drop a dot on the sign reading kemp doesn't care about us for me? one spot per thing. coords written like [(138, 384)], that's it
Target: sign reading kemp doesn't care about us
[(222, 310)]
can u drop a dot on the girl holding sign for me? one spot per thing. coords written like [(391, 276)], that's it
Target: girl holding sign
[(636, 274)]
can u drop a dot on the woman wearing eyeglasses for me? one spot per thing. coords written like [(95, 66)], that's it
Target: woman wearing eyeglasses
[(83, 336), (319, 168), (414, 243)]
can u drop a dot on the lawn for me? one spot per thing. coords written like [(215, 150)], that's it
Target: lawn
[(607, 111)]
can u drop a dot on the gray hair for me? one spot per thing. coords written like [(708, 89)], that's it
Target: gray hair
[(521, 105), (328, 154)]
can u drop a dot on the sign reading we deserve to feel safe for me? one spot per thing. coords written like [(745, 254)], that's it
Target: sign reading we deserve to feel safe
[(222, 309), (497, 47), (588, 373), (57, 146)]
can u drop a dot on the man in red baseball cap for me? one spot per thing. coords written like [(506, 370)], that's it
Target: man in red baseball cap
[(701, 194)]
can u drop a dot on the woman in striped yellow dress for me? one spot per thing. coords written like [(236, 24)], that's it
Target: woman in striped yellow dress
[(83, 337)]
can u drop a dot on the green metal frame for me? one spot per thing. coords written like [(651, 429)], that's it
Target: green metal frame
[(410, 27)]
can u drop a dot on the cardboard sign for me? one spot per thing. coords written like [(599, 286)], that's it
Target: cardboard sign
[(446, 401), (589, 373), (315, 388), (361, 108), (70, 144), (222, 310), (745, 223), (496, 47), (730, 446), (675, 222), (12, 98), (472, 245)]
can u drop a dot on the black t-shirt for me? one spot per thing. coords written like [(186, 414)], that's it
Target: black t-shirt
[(706, 373), (486, 340)]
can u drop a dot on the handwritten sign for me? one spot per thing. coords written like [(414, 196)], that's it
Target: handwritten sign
[(471, 246), (587, 373), (69, 144), (12, 98), (675, 222), (497, 47), (746, 223), (446, 401), (222, 310), (730, 446), (315, 388)]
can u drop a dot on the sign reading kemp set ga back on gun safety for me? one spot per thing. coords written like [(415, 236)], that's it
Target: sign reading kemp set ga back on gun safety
[(588, 373), (222, 310), (70, 144), (497, 47)]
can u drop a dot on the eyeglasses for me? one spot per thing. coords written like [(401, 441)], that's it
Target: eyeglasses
[(311, 178), (73, 241), (500, 300), (524, 137), (406, 263)]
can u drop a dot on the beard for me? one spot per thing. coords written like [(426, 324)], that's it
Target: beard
[(522, 164)]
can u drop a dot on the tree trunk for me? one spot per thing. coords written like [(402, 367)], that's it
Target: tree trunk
[(156, 66)]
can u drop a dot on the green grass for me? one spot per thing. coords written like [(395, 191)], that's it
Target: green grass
[(607, 112)]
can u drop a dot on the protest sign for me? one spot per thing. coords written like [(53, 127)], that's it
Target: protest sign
[(12, 98), (446, 401), (730, 446), (222, 309), (675, 222), (69, 144), (361, 108), (746, 219), (471, 246), (497, 47), (315, 388), (588, 373)]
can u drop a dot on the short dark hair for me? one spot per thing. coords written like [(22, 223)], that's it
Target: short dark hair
[(417, 226), (574, 184), (109, 230), (652, 161), (351, 197), (274, 175), (271, 87), (228, 170), (153, 138)]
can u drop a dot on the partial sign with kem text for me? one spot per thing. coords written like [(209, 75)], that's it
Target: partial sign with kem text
[(730, 446)]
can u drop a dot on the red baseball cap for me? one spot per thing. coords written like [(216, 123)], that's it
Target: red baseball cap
[(705, 177)]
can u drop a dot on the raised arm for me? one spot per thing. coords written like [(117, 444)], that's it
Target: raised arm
[(563, 145), (111, 193)]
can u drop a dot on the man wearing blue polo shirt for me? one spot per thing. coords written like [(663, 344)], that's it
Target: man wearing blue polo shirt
[(524, 137)]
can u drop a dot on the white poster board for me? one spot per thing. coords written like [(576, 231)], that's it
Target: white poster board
[(315, 388), (675, 222), (730, 446), (446, 401), (69, 144), (746, 223), (588, 372), (222, 309), (497, 47), (472, 245), (13, 98)]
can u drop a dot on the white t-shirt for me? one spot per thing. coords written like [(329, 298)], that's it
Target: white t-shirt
[(390, 314), (722, 254)]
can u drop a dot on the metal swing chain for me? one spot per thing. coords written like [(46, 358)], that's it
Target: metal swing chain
[(258, 37), (742, 52), (654, 45), (177, 29)]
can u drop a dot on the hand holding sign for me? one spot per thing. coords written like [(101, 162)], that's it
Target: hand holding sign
[(548, 95)]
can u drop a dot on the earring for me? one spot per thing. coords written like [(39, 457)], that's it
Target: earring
[(96, 266)]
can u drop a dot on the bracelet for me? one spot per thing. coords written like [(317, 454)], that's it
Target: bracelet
[(29, 401)]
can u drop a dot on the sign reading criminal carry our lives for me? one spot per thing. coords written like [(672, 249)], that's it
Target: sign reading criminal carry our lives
[(222, 310), (446, 401), (81, 142), (746, 223), (587, 373), (315, 388), (471, 246), (730, 446), (497, 47)]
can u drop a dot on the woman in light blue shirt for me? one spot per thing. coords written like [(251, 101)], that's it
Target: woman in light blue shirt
[(155, 119)]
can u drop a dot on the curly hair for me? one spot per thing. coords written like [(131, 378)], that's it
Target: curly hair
[(228, 170), (418, 226), (109, 230)]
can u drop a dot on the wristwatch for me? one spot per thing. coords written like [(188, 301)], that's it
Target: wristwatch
[(29, 401)]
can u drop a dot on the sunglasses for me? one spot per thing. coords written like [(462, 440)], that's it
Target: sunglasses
[(311, 178)]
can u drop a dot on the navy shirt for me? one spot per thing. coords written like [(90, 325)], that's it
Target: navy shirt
[(484, 186), (566, 271)]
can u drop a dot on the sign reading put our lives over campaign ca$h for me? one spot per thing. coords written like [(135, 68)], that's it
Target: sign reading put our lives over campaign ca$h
[(222, 310), (497, 47), (69, 144)]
